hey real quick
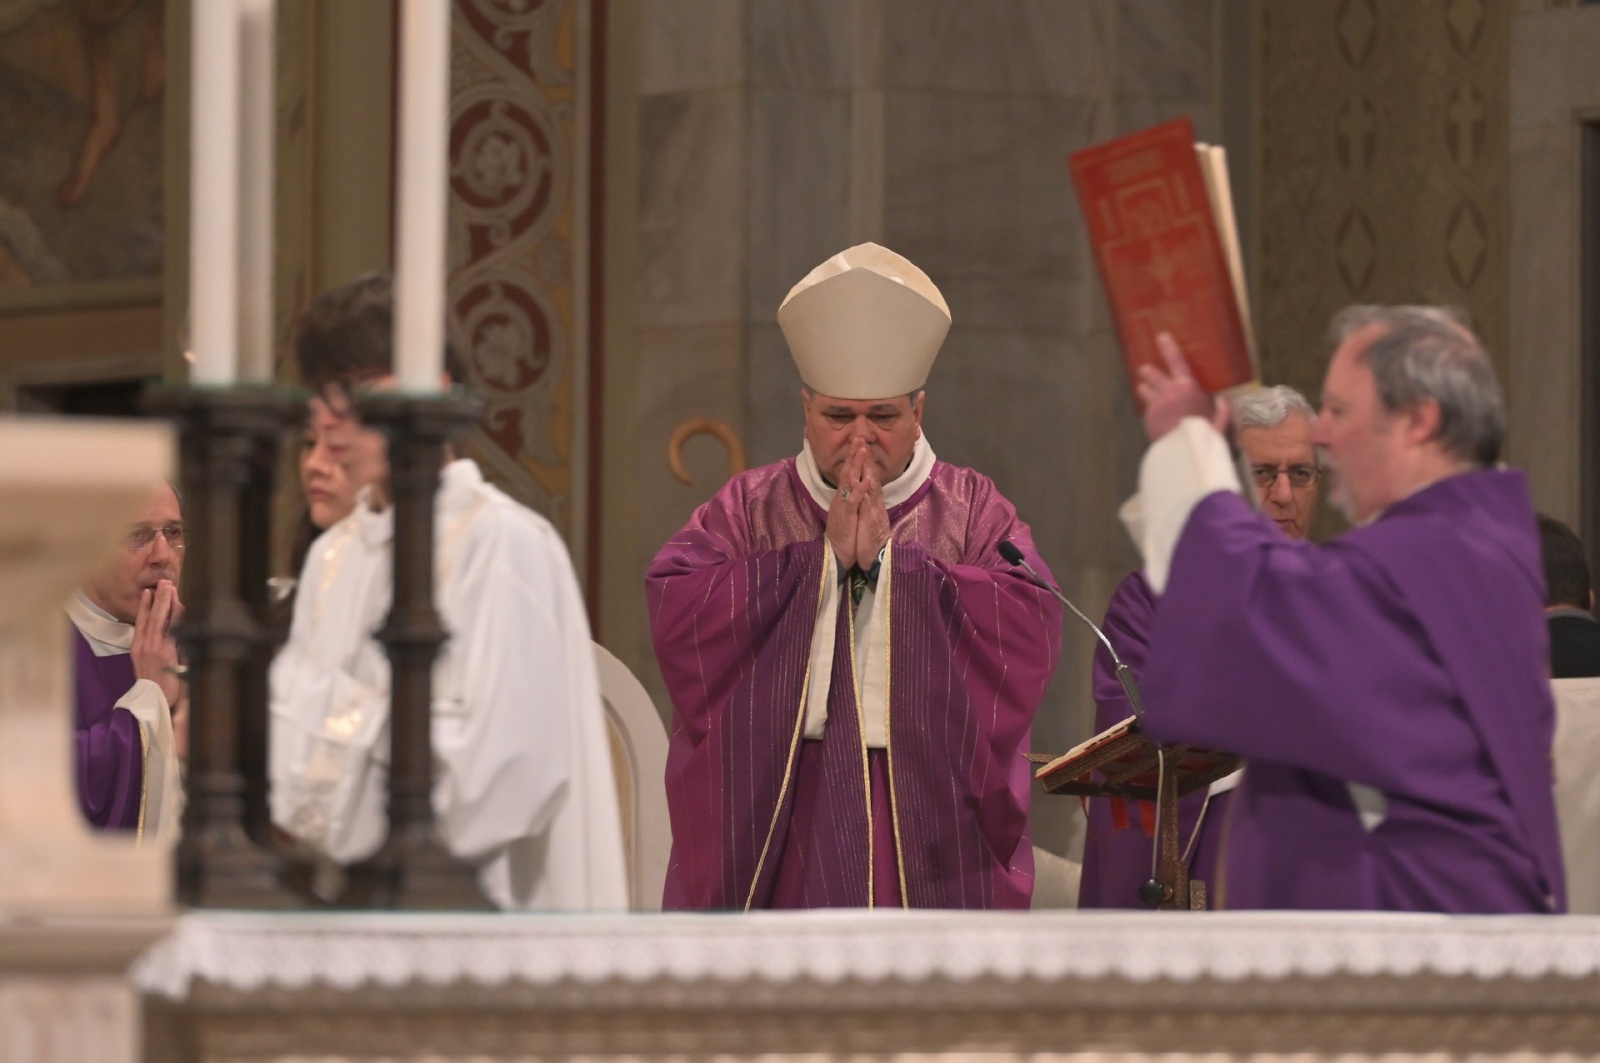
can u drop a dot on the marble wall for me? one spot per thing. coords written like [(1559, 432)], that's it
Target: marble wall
[(1555, 90), (772, 133), (1383, 169)]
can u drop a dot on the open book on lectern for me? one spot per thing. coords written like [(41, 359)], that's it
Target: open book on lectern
[(1159, 211), (1122, 761)]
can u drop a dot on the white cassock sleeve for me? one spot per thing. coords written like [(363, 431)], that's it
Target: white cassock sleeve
[(1181, 468)]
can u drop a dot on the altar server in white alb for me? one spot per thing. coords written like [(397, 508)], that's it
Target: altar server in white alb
[(522, 775)]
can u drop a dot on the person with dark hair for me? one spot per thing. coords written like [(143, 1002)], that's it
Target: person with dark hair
[(1388, 689), (131, 703), (1568, 603), (523, 785)]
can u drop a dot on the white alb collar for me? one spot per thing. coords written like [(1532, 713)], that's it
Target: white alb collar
[(106, 634), (895, 491)]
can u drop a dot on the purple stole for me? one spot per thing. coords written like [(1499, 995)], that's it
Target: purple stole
[(110, 743), (763, 817)]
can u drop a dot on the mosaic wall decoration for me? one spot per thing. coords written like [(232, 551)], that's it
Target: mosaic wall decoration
[(517, 291)]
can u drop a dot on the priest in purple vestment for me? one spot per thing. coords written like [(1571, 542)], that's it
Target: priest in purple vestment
[(1273, 426), (1388, 689), (853, 667), (130, 699)]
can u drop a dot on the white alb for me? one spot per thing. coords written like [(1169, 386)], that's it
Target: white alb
[(523, 783)]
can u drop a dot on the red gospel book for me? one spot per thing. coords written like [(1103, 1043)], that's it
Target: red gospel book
[(1152, 202)]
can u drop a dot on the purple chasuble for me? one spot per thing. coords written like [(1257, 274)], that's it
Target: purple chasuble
[(109, 743), (761, 816), (1117, 859), (1407, 657)]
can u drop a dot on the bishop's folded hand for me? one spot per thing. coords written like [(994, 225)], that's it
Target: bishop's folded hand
[(872, 522)]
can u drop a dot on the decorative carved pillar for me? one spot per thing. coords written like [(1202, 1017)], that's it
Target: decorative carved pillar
[(255, 566), (414, 869), (221, 436)]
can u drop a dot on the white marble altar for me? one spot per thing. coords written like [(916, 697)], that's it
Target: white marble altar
[(238, 987)]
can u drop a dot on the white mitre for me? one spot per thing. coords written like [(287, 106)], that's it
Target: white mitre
[(866, 324)]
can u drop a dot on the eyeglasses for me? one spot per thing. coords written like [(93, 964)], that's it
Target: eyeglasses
[(140, 537), (1299, 475)]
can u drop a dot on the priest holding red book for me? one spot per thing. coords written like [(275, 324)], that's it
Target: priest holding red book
[(853, 667), (1388, 690)]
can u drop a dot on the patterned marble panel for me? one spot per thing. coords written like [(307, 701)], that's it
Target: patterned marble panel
[(1020, 47), (691, 44), (814, 44), (977, 194), (799, 209), (1164, 49), (692, 208), (1383, 168)]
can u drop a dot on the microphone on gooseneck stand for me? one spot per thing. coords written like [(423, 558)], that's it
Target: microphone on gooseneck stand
[(1013, 555)]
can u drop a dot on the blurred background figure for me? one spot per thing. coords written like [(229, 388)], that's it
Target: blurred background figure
[(1569, 602), (1575, 673), (132, 719)]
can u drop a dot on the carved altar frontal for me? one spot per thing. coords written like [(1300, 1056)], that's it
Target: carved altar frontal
[(369, 986)]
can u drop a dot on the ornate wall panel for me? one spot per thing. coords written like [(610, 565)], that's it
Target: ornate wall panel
[(518, 258), (1383, 167)]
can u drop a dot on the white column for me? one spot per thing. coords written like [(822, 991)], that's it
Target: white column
[(258, 123), (214, 194), (421, 193)]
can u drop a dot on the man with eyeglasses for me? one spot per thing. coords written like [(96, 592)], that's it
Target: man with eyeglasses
[(131, 703), (1389, 690), (1274, 428)]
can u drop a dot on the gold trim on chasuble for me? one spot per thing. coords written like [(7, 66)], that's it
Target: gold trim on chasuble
[(794, 740), (861, 729), (144, 778), (888, 731)]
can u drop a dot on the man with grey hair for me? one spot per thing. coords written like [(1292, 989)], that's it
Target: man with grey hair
[(1273, 427), (1388, 690)]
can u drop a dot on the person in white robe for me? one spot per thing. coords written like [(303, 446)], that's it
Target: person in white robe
[(523, 783)]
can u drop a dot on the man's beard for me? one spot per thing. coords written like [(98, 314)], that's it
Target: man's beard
[(1338, 496)]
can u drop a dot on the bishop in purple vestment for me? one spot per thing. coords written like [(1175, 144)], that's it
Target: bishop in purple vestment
[(1274, 434), (853, 667), (127, 688), (1388, 690)]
